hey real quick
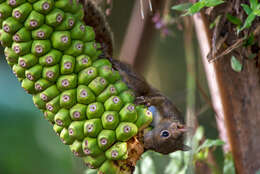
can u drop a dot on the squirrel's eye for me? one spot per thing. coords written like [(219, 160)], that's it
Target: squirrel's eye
[(165, 134)]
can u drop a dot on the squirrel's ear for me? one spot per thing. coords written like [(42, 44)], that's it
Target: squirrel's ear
[(94, 17)]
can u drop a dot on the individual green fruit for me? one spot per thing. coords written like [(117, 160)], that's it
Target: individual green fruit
[(66, 82), (22, 35), (90, 49), (87, 75), (61, 40), (5, 11), (76, 130), (109, 73), (27, 60), (51, 73), (82, 62), (68, 98), (55, 17), (85, 95), (57, 129), (43, 6), (6, 38), (90, 147), (21, 12), (78, 112), (49, 116), (98, 85), (117, 152), (128, 96), (49, 93), (10, 25), (102, 62), (76, 148), (95, 110), (108, 92), (94, 162), (67, 23), (89, 35), (11, 56), (120, 86), (110, 119), (51, 58), (68, 6), (19, 71), (78, 30), (53, 105), (40, 47), (125, 131), (114, 103), (92, 127), (34, 20), (75, 48), (43, 32), (22, 48), (108, 167), (145, 117), (41, 85), (15, 3), (28, 86), (34, 73), (67, 64), (38, 102), (62, 118), (128, 113), (65, 137), (106, 138)]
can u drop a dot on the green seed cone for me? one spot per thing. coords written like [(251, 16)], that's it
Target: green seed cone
[(90, 147), (68, 98), (106, 138), (110, 120), (76, 130), (92, 127), (21, 12), (62, 118), (125, 131), (117, 152), (145, 117), (82, 62), (128, 113), (43, 32), (76, 148), (67, 64), (78, 112), (87, 75), (85, 95), (95, 110), (94, 162), (65, 137)]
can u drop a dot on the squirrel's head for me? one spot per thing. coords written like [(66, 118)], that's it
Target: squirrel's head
[(166, 137)]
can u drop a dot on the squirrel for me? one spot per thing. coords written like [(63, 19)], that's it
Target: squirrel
[(168, 124)]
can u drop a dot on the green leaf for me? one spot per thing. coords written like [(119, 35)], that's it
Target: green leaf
[(252, 56), (246, 8), (147, 165), (182, 7), (235, 64), (196, 7), (212, 3), (250, 40), (257, 12), (234, 20), (229, 166), (248, 21), (208, 143), (253, 4)]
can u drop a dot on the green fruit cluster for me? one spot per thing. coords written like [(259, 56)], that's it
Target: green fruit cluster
[(55, 57)]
